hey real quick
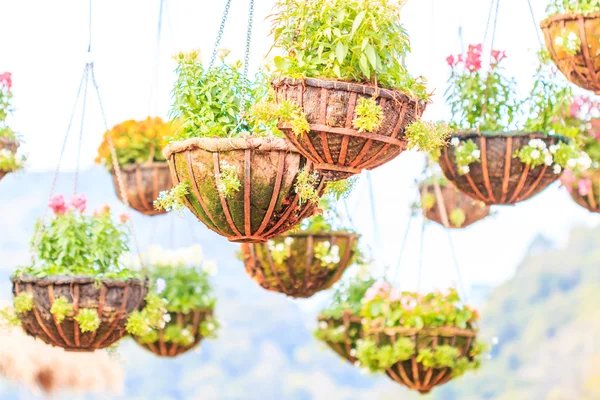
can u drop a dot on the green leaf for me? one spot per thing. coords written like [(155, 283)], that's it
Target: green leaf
[(364, 66), (371, 55), (336, 69), (281, 63), (340, 52), (357, 21)]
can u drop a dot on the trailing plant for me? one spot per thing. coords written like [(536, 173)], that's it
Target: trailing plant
[(23, 302), (350, 40), (61, 308), (9, 161), (285, 111), (181, 282), (368, 115), (427, 136), (136, 142), (584, 7), (209, 101), (173, 199), (5, 105), (306, 182), (153, 316), (88, 320), (228, 182)]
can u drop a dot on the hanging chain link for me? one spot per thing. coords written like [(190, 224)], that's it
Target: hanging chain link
[(40, 228), (245, 82), (213, 57), (118, 171)]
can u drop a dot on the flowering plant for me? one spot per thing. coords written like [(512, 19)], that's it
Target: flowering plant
[(387, 308), (181, 279), (5, 105), (72, 243), (584, 7), (349, 40), (136, 141)]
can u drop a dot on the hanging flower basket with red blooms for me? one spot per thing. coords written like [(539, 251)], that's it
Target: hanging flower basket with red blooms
[(343, 96), (139, 146), (76, 295), (421, 342), (229, 168), (304, 262), (572, 38), (450, 207), (9, 160), (489, 158)]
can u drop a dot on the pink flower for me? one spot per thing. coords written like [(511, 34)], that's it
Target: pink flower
[(498, 56), (124, 218), (584, 186), (473, 62), (568, 179), (6, 80), (451, 61), (395, 295), (57, 205), (78, 202), (379, 288), (408, 303)]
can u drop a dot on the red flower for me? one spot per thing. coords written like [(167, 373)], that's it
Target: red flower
[(473, 61), (78, 202), (498, 56), (57, 205), (451, 61), (124, 218), (6, 80)]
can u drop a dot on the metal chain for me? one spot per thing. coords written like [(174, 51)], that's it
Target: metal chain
[(245, 82), (40, 228), (489, 19), (83, 107), (213, 57), (117, 170)]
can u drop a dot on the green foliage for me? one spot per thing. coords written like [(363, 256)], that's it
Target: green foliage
[(287, 112), (9, 161), (377, 358), (9, 317), (61, 308), (457, 217), (336, 334), (465, 154), (349, 40), (560, 155), (306, 186), (368, 115), (173, 200), (209, 102), (88, 320), (427, 136), (347, 296), (141, 323), (326, 253), (209, 327), (23, 302), (227, 179), (584, 7), (281, 251), (428, 201), (444, 356), (137, 324), (342, 188)]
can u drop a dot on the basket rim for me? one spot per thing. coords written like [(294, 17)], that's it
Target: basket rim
[(325, 234), (146, 165), (80, 279), (349, 86), (567, 16), (425, 331), (511, 134), (347, 313), (217, 144)]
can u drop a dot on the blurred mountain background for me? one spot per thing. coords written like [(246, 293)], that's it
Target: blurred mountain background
[(545, 320)]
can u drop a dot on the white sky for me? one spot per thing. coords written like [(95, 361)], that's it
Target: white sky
[(44, 44)]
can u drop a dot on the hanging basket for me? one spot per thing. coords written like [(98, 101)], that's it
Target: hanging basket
[(191, 321), (113, 300), (582, 68), (499, 178), (10, 144), (454, 202), (413, 374), (143, 183), (333, 144), (266, 204), (301, 274), (352, 332), (591, 199)]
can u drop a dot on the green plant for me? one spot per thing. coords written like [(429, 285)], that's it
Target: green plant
[(465, 154), (23, 302), (61, 308), (378, 358), (427, 136), (227, 180), (281, 251), (347, 296), (209, 101), (305, 187), (368, 115), (174, 199), (88, 320), (584, 7), (326, 253), (560, 155), (350, 40), (457, 217), (5, 105), (287, 112), (342, 188), (9, 161), (141, 323)]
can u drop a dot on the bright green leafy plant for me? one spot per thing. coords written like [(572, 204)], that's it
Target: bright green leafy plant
[(584, 7), (350, 40), (173, 199), (9, 161), (61, 308)]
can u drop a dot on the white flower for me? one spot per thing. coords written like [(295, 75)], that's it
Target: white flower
[(323, 325), (584, 161), (572, 37), (535, 154), (357, 364), (557, 169), (289, 240), (6, 153), (167, 317), (465, 169), (160, 285), (553, 148), (455, 141), (210, 326), (476, 154), (548, 160), (559, 41), (571, 163), (210, 267), (353, 352)]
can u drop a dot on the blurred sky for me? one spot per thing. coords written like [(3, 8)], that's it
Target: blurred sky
[(45, 42)]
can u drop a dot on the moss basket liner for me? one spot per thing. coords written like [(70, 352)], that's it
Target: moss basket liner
[(143, 183), (302, 274), (592, 200), (345, 349), (453, 199), (413, 374), (499, 178), (333, 144), (168, 349), (113, 299), (266, 204), (583, 68)]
